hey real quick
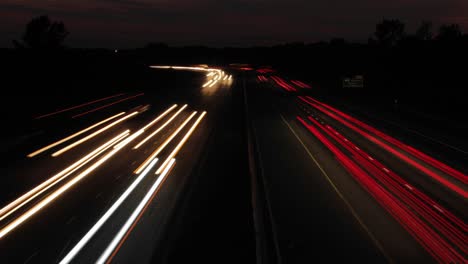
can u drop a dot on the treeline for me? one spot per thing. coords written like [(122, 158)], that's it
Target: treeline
[(424, 67)]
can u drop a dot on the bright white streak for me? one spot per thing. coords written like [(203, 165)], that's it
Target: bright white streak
[(18, 221), (25, 198), (159, 117), (72, 136), (182, 142), (207, 83), (163, 145), (125, 228), (160, 128), (92, 135), (76, 249)]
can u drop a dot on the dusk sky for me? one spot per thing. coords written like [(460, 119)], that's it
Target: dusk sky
[(133, 23)]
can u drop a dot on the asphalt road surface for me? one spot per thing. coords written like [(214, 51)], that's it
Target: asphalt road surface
[(224, 166), (341, 190)]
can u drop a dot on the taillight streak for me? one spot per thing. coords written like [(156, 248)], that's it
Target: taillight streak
[(392, 150), (435, 163), (429, 239), (423, 205)]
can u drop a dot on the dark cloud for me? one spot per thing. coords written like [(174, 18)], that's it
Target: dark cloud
[(130, 23)]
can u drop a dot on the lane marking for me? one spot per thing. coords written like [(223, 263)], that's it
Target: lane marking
[(438, 208), (351, 209), (30, 257)]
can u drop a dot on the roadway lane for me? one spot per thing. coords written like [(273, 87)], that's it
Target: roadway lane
[(442, 139), (417, 178), (433, 198), (302, 196), (53, 231), (77, 209), (214, 221)]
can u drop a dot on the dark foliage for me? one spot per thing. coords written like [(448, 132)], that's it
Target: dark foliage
[(389, 32), (42, 33)]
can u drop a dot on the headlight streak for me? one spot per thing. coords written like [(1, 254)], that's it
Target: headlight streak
[(160, 116), (217, 74), (128, 140), (93, 134), (25, 216), (213, 83), (207, 83), (87, 237), (27, 197), (37, 152), (160, 128), (123, 233), (181, 143), (162, 146)]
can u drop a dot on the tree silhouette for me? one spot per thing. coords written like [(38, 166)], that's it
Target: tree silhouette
[(449, 32), (389, 32), (424, 31), (42, 33)]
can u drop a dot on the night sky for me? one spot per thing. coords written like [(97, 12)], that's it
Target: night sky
[(133, 23)]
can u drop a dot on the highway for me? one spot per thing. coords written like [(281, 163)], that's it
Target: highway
[(225, 165), (102, 179), (333, 178)]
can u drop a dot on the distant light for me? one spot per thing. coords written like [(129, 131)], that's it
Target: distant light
[(116, 51)]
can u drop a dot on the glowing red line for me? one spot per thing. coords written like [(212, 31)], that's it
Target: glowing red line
[(424, 206), (429, 239), (78, 106), (390, 149), (283, 84), (107, 105), (398, 179), (300, 84), (441, 166)]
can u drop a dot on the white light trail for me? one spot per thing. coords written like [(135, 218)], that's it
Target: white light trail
[(72, 136), (160, 128), (133, 217), (159, 117), (93, 134), (181, 143), (160, 148), (207, 83), (18, 221), (77, 248), (27, 197)]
